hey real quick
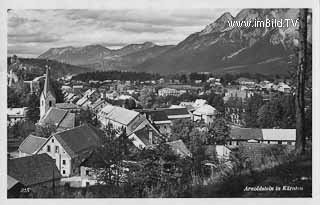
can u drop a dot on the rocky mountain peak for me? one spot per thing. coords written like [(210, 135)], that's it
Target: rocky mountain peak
[(218, 25)]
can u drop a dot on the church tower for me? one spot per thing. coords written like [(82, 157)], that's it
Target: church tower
[(47, 97)]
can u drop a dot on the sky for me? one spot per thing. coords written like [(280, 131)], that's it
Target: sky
[(32, 32)]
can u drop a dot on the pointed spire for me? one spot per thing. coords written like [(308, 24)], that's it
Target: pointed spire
[(47, 86)]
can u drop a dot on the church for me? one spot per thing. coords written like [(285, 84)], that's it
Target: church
[(50, 114)]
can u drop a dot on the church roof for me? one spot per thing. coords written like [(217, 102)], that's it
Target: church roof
[(59, 117)]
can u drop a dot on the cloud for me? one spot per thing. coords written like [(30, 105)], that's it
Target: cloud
[(34, 31)]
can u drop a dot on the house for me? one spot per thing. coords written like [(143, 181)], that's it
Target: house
[(206, 113), (120, 118), (145, 137), (159, 119), (237, 93), (31, 145), (70, 147), (176, 113), (279, 136), (245, 81), (34, 172), (265, 136), (16, 114), (284, 88), (69, 107), (199, 103), (238, 135), (98, 105), (14, 188), (168, 92), (61, 119)]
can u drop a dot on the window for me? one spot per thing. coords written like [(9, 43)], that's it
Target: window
[(57, 149), (63, 162), (50, 103), (63, 171), (279, 142), (48, 148), (52, 140)]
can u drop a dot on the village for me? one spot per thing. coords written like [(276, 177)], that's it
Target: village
[(200, 120)]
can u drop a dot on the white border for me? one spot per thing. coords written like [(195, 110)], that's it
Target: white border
[(163, 4)]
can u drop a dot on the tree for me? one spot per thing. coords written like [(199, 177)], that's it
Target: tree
[(45, 130), (216, 101), (146, 96), (87, 116), (218, 132), (253, 104), (33, 111), (130, 104), (278, 112), (181, 129), (300, 82)]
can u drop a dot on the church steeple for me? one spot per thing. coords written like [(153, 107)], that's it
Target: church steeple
[(47, 89), (47, 98)]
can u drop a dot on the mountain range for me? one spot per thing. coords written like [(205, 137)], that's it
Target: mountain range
[(219, 47)]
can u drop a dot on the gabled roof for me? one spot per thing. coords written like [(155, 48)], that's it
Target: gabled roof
[(79, 139), (119, 114), (82, 100), (176, 113), (66, 106), (11, 182), (32, 144), (143, 135), (263, 134), (59, 118), (158, 115), (205, 110), (279, 134), (246, 133), (33, 169)]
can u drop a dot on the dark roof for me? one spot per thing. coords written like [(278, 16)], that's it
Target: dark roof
[(94, 160), (33, 169), (246, 133), (156, 115), (31, 144), (78, 139), (143, 135), (175, 111), (59, 118)]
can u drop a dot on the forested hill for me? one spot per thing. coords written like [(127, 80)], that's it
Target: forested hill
[(35, 67), (116, 75)]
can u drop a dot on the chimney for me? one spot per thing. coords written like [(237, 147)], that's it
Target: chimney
[(150, 137)]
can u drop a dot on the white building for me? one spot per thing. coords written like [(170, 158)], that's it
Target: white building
[(206, 113), (68, 148), (16, 114), (120, 118)]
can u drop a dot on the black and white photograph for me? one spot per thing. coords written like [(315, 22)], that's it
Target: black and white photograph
[(159, 102)]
